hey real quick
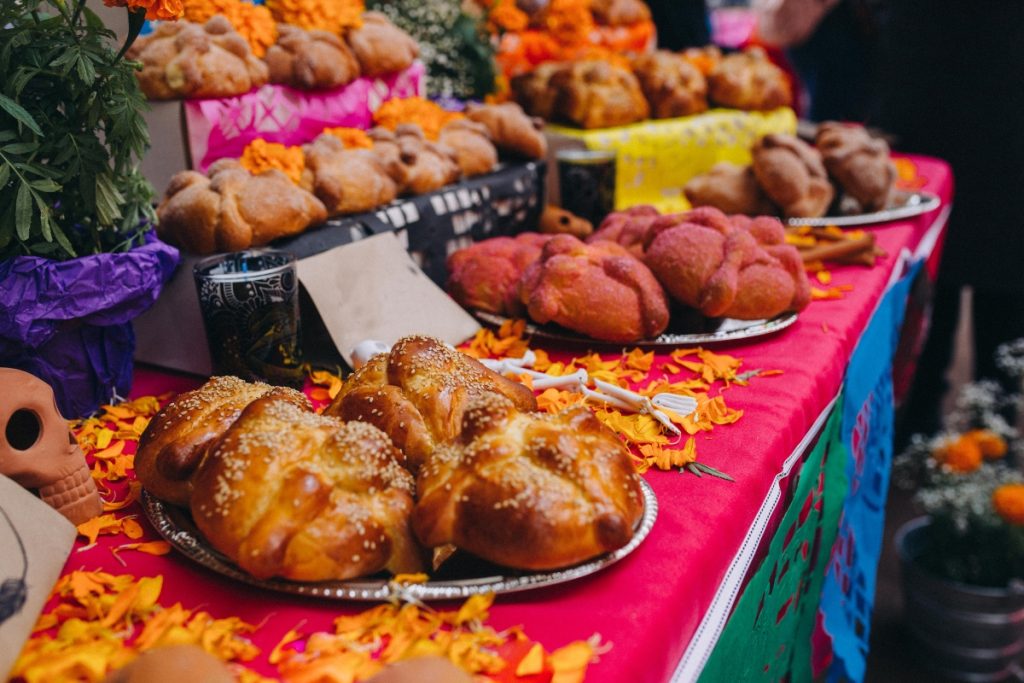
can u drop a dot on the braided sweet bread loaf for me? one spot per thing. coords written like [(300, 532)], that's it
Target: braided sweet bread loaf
[(529, 490), (179, 437), (293, 494), (418, 392)]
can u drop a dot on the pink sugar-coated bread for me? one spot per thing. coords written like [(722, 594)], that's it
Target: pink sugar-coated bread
[(597, 289)]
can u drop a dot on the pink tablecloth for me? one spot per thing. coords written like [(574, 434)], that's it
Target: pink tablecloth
[(648, 606)]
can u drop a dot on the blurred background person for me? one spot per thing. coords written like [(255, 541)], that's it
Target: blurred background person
[(951, 85)]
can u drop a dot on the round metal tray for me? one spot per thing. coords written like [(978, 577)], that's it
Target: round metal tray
[(905, 205), (465, 575), (718, 331)]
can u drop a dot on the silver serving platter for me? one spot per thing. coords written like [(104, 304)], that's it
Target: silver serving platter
[(905, 205), (175, 525), (726, 330)]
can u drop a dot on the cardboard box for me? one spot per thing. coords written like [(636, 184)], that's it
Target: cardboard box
[(431, 227)]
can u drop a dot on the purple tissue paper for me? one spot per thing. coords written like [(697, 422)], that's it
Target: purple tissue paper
[(69, 322)]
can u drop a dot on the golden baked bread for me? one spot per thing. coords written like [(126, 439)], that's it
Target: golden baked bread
[(596, 94), (529, 490), (346, 180), (432, 167), (310, 60), (730, 189), (471, 144), (286, 492), (511, 129), (859, 163), (619, 12), (381, 47), (533, 91), (732, 268), (748, 80), (182, 59), (233, 209), (555, 220), (485, 275), (179, 437), (396, 157), (418, 392), (792, 175), (597, 289), (672, 85)]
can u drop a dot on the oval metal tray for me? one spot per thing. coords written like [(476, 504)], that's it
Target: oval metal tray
[(725, 330), (176, 526), (906, 205)]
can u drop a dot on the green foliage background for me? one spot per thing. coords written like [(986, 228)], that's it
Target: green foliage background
[(71, 134)]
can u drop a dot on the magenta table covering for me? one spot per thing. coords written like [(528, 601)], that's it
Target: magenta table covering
[(651, 605)]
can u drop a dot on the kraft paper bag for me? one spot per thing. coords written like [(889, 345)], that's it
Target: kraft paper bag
[(35, 541), (372, 289)]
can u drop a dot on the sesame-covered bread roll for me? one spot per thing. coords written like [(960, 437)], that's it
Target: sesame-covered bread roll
[(290, 493), (529, 490)]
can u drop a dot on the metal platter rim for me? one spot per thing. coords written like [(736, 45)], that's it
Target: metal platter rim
[(162, 516), (925, 202), (755, 330)]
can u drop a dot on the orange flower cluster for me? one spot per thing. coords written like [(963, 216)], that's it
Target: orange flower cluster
[(97, 615), (253, 22), (1008, 501), (568, 32), (260, 156), (966, 452), (363, 644), (334, 16), (162, 10), (352, 138), (428, 115)]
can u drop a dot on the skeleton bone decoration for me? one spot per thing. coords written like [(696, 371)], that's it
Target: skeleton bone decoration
[(38, 451)]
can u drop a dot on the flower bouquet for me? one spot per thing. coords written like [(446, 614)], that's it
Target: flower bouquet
[(77, 259)]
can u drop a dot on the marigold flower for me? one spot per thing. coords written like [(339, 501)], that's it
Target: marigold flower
[(991, 444), (260, 156), (507, 17), (352, 138), (252, 22), (428, 115), (1008, 501), (164, 10), (960, 455), (326, 15)]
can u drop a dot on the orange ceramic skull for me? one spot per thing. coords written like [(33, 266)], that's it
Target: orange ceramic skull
[(38, 451)]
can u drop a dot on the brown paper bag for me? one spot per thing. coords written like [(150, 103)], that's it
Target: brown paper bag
[(35, 541)]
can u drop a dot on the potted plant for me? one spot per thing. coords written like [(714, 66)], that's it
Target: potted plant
[(963, 563), (77, 258)]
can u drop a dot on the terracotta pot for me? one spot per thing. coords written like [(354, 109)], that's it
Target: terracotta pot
[(962, 632)]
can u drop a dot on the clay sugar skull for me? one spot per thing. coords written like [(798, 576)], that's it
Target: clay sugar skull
[(38, 451)]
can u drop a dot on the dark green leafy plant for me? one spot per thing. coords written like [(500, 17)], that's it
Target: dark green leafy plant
[(71, 133)]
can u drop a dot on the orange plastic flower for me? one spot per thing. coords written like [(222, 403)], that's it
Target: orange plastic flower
[(991, 444), (352, 138), (260, 156), (253, 22), (1008, 500), (164, 10), (426, 114), (960, 455)]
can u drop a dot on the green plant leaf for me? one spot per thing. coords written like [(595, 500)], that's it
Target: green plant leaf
[(44, 185), (19, 113), (23, 212), (6, 135), (5, 175), (20, 147)]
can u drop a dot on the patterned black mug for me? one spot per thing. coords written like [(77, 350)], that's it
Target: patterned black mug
[(250, 305), (586, 182)]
